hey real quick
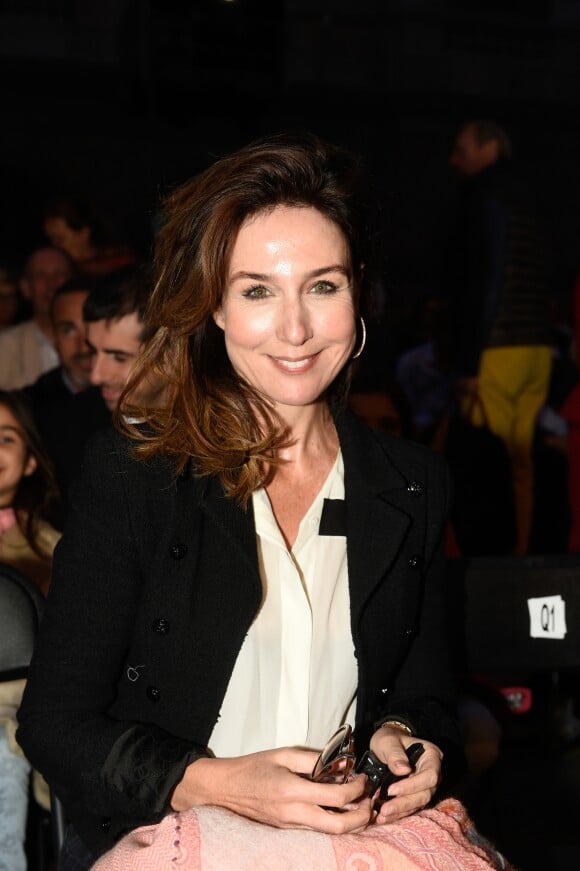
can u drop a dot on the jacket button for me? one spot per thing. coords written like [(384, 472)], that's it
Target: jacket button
[(416, 561), (415, 487), (385, 690), (153, 694), (161, 625), (105, 824), (178, 551), (408, 632)]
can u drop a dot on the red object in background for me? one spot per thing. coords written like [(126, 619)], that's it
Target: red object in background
[(519, 699), (451, 547)]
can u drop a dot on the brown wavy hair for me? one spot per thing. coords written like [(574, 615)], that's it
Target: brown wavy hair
[(209, 412)]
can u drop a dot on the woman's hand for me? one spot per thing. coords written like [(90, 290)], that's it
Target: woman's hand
[(417, 790), (273, 787)]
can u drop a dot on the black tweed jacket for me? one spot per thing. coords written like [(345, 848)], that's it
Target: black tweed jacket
[(155, 585)]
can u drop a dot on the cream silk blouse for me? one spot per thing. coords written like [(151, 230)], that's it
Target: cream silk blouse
[(295, 679)]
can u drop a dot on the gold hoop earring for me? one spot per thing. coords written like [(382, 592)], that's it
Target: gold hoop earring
[(364, 339)]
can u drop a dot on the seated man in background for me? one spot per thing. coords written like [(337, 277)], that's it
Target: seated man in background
[(113, 315), (27, 349), (75, 362)]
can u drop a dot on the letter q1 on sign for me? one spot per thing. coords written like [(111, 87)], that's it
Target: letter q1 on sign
[(547, 617)]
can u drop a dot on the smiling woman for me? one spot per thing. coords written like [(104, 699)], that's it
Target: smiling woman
[(288, 310), (270, 567)]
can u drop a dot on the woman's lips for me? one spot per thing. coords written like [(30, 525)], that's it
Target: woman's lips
[(296, 366)]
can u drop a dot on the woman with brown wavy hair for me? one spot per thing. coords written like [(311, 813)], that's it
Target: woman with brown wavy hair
[(247, 566)]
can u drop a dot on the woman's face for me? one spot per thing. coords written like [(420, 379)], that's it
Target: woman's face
[(287, 311), (15, 461)]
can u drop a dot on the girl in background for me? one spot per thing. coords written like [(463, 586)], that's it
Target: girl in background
[(27, 540), (28, 492)]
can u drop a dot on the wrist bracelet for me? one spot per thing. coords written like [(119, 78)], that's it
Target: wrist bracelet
[(398, 725)]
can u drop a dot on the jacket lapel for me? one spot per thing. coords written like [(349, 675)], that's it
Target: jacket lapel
[(234, 522), (376, 523)]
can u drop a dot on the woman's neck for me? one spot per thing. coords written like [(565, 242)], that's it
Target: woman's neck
[(312, 434), (306, 463)]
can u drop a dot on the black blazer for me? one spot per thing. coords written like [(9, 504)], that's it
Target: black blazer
[(155, 585)]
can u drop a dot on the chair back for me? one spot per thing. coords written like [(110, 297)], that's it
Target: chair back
[(518, 613), (21, 608)]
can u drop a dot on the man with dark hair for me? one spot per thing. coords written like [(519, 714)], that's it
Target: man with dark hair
[(113, 313), (73, 372), (498, 278)]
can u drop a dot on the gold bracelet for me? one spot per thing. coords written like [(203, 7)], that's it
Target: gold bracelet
[(398, 725)]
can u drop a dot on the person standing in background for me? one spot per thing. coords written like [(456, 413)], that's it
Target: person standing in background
[(498, 281)]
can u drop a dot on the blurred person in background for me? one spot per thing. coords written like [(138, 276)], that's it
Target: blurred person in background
[(498, 279), (28, 496), (73, 373), (112, 315), (71, 224), (27, 349)]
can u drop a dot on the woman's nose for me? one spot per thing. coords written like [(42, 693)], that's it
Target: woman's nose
[(295, 322)]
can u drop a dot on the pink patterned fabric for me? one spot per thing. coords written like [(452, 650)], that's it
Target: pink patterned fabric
[(442, 838)]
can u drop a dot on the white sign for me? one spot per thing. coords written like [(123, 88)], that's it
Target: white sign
[(547, 617)]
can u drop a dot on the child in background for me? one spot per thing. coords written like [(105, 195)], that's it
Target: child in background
[(27, 495)]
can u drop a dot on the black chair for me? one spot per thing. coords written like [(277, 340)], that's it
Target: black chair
[(493, 595), (516, 622), (21, 609)]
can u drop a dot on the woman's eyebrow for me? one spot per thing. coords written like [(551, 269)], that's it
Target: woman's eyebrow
[(6, 426), (260, 276)]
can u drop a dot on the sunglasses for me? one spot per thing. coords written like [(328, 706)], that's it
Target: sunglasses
[(337, 762), (337, 759)]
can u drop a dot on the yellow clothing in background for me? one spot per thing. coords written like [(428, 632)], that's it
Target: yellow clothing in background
[(513, 385)]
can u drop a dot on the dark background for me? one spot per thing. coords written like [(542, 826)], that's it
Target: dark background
[(122, 99)]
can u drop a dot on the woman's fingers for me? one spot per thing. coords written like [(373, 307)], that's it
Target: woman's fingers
[(411, 794), (402, 806), (417, 788), (339, 822), (273, 787), (300, 761)]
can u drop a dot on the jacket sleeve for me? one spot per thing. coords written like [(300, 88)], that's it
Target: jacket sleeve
[(95, 763)]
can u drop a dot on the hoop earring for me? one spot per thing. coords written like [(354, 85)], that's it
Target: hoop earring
[(364, 339)]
